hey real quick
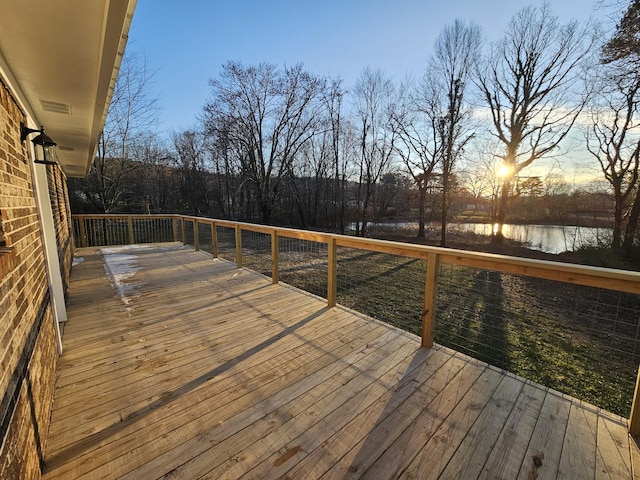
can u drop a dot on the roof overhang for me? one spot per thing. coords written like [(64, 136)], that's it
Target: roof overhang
[(62, 60)]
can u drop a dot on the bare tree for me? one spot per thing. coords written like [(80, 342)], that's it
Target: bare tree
[(556, 193), (193, 162), (613, 136), (457, 49), (614, 140), (481, 179), (227, 190), (528, 83), (155, 180), (308, 177), (132, 113), (373, 98), (416, 121), (333, 101), (433, 122), (268, 115)]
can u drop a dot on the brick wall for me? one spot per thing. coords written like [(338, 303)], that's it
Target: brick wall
[(28, 355), (59, 197)]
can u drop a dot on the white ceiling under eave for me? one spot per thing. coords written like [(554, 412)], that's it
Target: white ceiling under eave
[(62, 60)]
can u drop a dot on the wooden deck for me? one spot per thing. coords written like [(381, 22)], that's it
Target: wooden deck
[(195, 369)]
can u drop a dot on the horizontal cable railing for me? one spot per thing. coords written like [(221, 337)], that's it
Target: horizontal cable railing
[(572, 328)]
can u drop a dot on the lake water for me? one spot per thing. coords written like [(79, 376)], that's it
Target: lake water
[(547, 238)]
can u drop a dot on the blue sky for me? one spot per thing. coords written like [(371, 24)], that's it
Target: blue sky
[(186, 42)]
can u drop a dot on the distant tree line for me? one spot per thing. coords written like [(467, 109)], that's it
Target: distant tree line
[(285, 146)]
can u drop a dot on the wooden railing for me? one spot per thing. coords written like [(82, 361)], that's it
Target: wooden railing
[(130, 229)]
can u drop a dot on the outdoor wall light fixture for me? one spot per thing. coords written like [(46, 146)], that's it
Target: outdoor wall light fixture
[(45, 148)]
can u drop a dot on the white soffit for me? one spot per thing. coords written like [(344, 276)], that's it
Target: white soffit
[(62, 59)]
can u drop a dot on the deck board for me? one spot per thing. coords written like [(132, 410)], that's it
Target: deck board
[(612, 460), (579, 449), (201, 370), (545, 445), (506, 456)]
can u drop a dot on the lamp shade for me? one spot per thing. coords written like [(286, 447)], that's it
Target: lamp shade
[(44, 147)]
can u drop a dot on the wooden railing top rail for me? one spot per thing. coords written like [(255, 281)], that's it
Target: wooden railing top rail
[(607, 278), (121, 216)]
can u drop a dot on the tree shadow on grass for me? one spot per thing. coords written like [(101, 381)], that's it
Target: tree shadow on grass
[(367, 279), (491, 341), (471, 317)]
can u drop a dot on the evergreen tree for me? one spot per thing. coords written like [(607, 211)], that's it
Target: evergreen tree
[(625, 43)]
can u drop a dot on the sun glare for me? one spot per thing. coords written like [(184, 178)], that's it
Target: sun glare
[(505, 170)]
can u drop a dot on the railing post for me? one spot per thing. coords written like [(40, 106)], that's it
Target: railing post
[(130, 225), (184, 230), (214, 240), (429, 309), (196, 237), (174, 228), (634, 417), (83, 232), (238, 246), (332, 272), (275, 257)]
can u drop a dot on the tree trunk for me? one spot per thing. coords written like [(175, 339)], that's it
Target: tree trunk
[(421, 209), (632, 226), (498, 237), (265, 211), (443, 222), (618, 214)]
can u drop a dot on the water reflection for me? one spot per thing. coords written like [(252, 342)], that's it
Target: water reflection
[(546, 238)]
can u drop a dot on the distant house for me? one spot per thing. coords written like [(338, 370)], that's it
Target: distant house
[(58, 65), (476, 207)]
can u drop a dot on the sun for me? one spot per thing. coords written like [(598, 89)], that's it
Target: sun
[(505, 170)]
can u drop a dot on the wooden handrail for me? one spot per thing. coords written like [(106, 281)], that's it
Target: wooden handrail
[(115, 216), (606, 278)]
